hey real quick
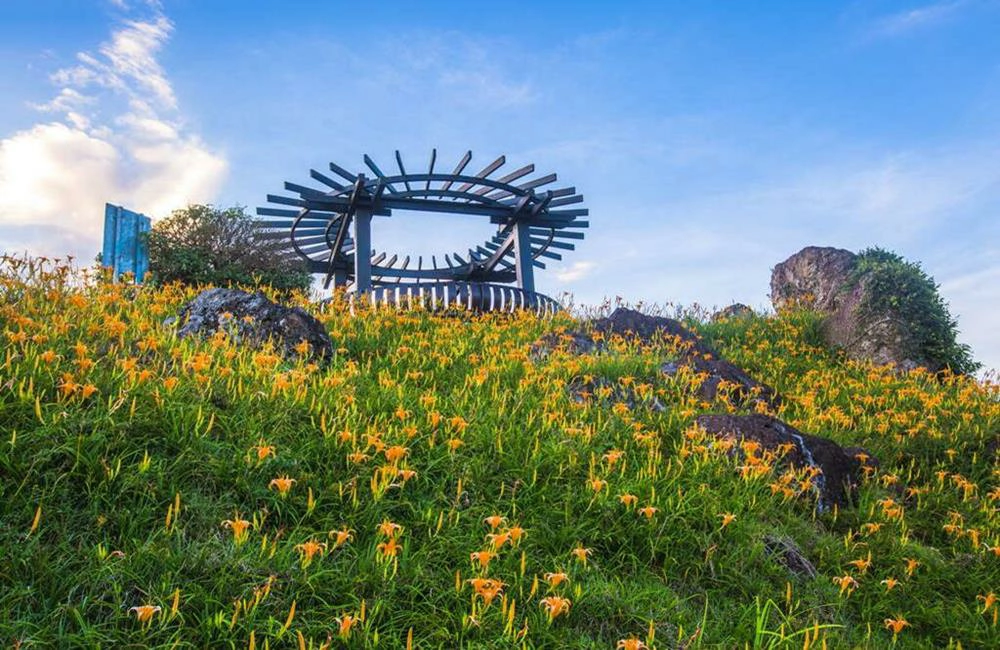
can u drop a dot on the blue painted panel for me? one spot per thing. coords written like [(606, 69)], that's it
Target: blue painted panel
[(125, 247)]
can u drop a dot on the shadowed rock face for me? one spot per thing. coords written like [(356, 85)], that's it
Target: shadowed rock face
[(253, 319), (746, 393), (623, 321), (698, 355), (840, 469), (785, 551)]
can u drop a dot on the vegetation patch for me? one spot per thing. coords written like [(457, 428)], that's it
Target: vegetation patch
[(902, 288), (434, 486)]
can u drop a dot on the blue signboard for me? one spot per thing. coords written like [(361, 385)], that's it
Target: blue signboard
[(125, 247)]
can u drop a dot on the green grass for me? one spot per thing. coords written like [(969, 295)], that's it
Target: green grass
[(102, 472)]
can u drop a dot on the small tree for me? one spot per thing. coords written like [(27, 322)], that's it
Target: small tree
[(202, 244)]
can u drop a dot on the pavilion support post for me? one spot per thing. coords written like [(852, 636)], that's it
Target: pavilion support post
[(362, 251), (522, 257)]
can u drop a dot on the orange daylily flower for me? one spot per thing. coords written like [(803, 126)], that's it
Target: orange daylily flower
[(389, 529), (340, 537), (239, 528), (648, 512), (344, 624), (581, 554), (555, 579), (631, 644), (896, 625), (388, 549), (846, 583), (628, 500), (494, 521), (282, 484), (396, 453), (516, 533), (309, 549), (483, 558), (862, 564), (989, 600), (555, 605), (264, 450), (145, 613)]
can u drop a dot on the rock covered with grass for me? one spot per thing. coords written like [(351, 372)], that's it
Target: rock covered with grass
[(252, 319), (879, 307)]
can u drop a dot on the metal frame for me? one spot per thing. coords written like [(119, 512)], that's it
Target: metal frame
[(329, 227)]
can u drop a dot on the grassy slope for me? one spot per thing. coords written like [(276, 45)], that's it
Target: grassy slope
[(84, 477)]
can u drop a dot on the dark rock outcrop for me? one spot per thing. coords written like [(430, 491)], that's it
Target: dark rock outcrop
[(694, 354), (623, 321), (608, 393), (745, 392), (253, 319), (839, 469), (785, 551)]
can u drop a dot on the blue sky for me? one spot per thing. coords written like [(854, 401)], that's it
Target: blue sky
[(711, 140)]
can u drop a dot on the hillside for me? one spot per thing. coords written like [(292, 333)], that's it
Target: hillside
[(437, 485)]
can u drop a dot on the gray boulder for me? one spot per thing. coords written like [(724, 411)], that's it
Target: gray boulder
[(734, 311), (814, 276), (823, 278), (253, 319)]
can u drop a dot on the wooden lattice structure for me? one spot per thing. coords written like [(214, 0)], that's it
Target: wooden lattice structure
[(330, 226)]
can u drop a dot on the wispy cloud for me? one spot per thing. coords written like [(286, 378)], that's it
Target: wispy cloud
[(919, 18), (112, 133)]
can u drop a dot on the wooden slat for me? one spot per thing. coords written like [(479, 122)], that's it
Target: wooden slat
[(486, 171), (303, 190), (458, 170), (430, 169), (286, 200), (325, 180), (378, 172), (402, 170), (343, 173)]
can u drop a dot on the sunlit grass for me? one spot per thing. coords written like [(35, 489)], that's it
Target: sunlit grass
[(434, 486)]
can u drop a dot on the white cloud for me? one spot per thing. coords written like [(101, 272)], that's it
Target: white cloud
[(114, 135), (575, 271)]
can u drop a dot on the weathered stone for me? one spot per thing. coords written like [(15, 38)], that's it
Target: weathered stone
[(823, 278), (814, 276), (883, 338), (590, 390), (253, 319), (787, 553), (839, 469), (573, 343), (746, 391), (735, 310), (623, 321)]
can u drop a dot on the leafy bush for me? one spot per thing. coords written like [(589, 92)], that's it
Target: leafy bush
[(913, 295), (202, 244)]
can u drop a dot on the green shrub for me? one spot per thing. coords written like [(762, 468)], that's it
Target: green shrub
[(202, 244), (913, 295)]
